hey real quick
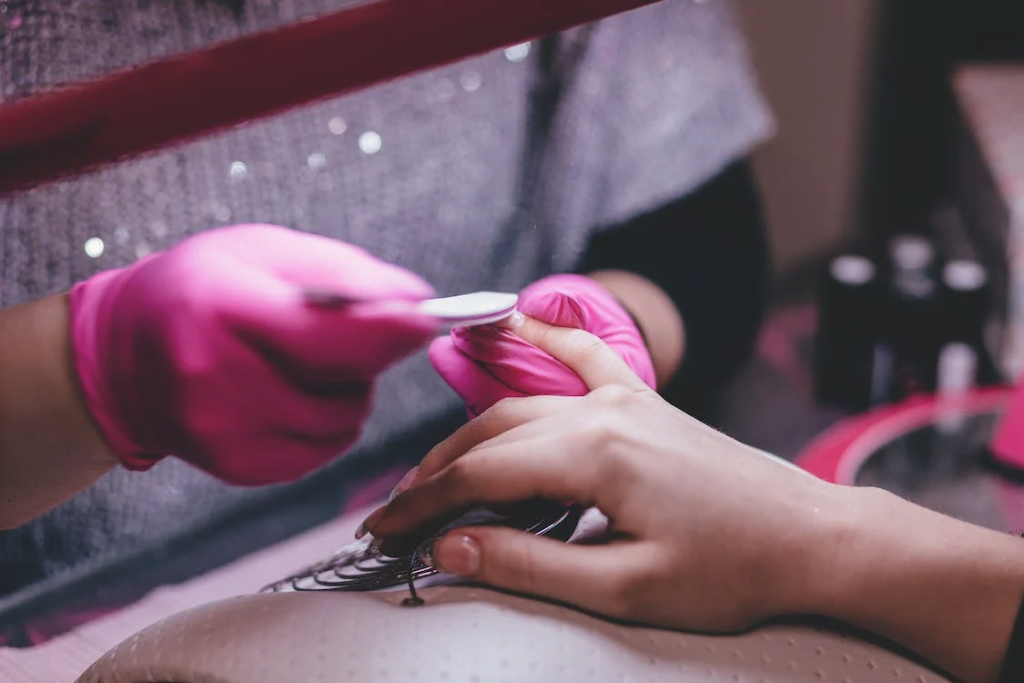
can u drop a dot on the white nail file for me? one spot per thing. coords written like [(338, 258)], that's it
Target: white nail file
[(464, 310)]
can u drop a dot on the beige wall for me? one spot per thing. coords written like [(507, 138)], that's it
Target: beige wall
[(814, 59)]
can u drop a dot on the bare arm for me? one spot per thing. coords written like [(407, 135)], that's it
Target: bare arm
[(940, 587), (49, 448), (655, 314)]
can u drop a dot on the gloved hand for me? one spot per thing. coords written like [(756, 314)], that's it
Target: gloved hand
[(209, 351), (486, 364)]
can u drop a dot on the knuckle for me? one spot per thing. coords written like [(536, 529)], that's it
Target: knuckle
[(453, 483), (627, 593), (466, 472), (599, 434), (605, 428), (455, 478), (577, 341), (590, 347), (521, 565), (615, 396)]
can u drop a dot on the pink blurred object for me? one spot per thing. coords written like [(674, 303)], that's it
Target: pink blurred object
[(181, 97), (209, 350), (486, 364), (1007, 444)]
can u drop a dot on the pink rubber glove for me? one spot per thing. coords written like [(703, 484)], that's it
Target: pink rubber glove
[(209, 351), (486, 364)]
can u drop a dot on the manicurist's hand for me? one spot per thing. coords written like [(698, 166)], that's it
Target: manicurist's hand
[(489, 363), (210, 351)]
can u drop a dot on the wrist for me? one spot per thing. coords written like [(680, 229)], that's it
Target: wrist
[(41, 384), (49, 447), (942, 588), (849, 545)]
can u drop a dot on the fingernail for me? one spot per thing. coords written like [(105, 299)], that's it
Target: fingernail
[(370, 521), (405, 484), (514, 321), (459, 555)]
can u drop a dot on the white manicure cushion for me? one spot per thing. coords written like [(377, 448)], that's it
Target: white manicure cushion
[(470, 635)]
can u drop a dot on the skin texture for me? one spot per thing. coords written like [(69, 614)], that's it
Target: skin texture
[(709, 534), (49, 447)]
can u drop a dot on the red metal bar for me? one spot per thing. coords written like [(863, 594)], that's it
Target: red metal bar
[(78, 128)]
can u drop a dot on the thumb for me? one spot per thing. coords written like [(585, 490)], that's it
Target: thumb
[(596, 363), (595, 578)]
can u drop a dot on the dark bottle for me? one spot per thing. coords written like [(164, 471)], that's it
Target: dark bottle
[(963, 355), (844, 348), (911, 333)]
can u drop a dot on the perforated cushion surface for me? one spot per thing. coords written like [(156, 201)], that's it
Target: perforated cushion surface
[(467, 635)]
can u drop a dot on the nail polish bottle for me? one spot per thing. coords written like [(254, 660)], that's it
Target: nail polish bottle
[(844, 348), (911, 332)]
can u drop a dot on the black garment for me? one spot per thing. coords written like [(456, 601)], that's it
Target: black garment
[(709, 253)]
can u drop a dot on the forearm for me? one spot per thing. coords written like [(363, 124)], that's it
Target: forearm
[(655, 314), (945, 589), (49, 448)]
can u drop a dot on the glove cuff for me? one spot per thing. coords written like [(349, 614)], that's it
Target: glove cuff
[(89, 320)]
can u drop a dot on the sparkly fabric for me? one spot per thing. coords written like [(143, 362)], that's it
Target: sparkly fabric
[(432, 172)]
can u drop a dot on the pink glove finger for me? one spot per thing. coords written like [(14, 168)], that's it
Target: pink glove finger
[(309, 415), (559, 307), (578, 301), (216, 406), (475, 386), (476, 360), (517, 363), (355, 342)]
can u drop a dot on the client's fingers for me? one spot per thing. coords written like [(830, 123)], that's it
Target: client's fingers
[(524, 469), (584, 353), (597, 578), (502, 417)]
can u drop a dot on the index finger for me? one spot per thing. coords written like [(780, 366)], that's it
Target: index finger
[(497, 420), (582, 352), (528, 468)]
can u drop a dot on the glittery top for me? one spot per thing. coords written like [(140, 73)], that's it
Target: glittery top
[(432, 172)]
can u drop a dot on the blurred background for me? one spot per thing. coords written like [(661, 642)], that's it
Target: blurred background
[(862, 93), (896, 120)]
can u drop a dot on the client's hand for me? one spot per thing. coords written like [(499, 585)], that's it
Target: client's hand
[(486, 364), (208, 351), (708, 534)]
